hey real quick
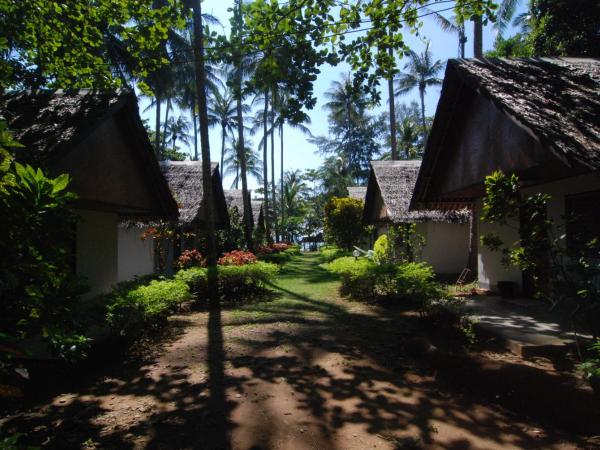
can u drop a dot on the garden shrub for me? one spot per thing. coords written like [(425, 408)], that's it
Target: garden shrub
[(381, 248), (343, 222), (236, 282), (236, 258), (130, 312), (190, 258), (409, 282), (357, 275), (278, 253), (331, 252)]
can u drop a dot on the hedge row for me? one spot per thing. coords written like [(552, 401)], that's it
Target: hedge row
[(362, 278)]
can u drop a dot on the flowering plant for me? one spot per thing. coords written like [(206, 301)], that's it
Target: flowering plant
[(237, 258), (189, 258)]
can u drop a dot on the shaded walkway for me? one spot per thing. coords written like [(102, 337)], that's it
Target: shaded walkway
[(306, 370)]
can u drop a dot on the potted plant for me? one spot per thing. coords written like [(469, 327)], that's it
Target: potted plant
[(591, 367)]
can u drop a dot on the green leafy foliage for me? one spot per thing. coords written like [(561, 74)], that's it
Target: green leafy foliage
[(83, 44), (330, 252), (343, 222), (133, 310), (236, 282), (407, 283), (591, 366), (37, 286), (381, 248)]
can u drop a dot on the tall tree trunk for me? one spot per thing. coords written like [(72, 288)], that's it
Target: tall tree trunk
[(422, 95), (393, 136), (281, 181), (157, 128), (205, 148), (237, 175), (462, 40), (223, 152), (273, 193), (477, 37), (240, 126), (195, 133), (392, 102), (266, 167), (164, 136)]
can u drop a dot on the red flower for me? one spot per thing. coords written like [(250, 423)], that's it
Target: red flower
[(189, 258), (237, 258)]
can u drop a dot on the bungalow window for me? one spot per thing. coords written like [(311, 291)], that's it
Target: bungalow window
[(582, 222)]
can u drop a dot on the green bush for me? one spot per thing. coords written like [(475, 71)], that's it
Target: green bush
[(276, 258), (343, 222), (381, 248), (357, 275), (235, 282), (331, 252), (130, 312), (409, 282)]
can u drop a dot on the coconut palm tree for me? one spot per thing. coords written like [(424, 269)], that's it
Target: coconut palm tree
[(223, 112), (421, 72), (298, 123), (178, 130), (234, 167), (452, 25)]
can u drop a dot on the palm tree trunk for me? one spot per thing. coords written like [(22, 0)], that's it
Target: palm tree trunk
[(195, 133), (164, 136), (393, 136), (240, 126), (265, 166), (273, 194), (462, 40), (205, 147), (281, 174), (477, 37), (223, 151), (237, 176), (422, 95), (157, 128)]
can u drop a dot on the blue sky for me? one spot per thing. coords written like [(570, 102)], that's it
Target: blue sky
[(301, 154)]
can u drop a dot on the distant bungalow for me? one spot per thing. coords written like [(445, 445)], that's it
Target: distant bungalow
[(387, 201), (357, 192), (185, 180), (99, 140), (537, 118)]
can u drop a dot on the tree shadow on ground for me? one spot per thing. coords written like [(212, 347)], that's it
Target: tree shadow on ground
[(344, 367)]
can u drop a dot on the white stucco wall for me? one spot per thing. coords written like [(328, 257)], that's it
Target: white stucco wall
[(489, 263), (490, 269), (136, 257), (446, 246), (97, 249)]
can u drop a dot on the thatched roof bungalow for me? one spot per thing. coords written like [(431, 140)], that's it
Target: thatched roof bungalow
[(235, 199), (185, 181), (537, 118), (387, 200), (357, 192), (98, 139)]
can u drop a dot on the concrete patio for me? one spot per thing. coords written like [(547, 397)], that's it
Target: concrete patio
[(527, 327)]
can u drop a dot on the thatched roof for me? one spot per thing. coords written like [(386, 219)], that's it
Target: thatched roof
[(257, 211), (235, 199), (558, 99), (555, 100), (52, 124), (393, 183), (357, 192), (185, 181), (49, 122)]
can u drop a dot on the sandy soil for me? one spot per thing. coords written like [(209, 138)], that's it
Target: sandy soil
[(307, 370)]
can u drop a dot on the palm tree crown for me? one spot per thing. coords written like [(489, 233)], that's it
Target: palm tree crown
[(420, 72)]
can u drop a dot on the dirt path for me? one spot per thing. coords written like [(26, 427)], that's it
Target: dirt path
[(306, 370)]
